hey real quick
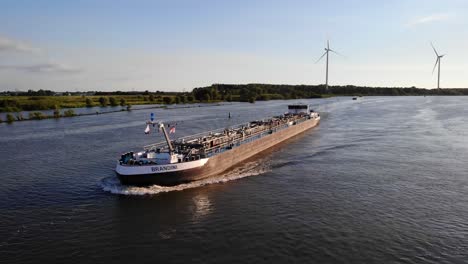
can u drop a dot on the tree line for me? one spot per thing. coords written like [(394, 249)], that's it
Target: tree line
[(46, 99), (253, 92)]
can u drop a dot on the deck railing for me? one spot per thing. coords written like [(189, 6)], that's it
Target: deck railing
[(235, 142), (249, 138)]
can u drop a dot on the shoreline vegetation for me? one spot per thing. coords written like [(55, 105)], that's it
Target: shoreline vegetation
[(15, 102), (10, 117)]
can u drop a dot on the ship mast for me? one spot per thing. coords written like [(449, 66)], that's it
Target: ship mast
[(168, 140), (162, 127)]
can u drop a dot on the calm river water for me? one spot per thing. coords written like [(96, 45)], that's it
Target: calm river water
[(382, 179)]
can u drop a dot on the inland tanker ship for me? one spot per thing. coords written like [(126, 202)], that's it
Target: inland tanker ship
[(208, 154)]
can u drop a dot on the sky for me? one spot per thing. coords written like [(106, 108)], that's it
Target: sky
[(175, 45)]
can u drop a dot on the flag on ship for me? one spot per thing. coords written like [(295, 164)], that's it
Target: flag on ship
[(172, 130)]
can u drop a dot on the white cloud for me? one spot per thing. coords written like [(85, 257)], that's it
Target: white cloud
[(42, 68), (431, 18), (34, 61), (8, 44)]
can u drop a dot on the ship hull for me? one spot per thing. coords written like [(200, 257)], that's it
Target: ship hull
[(211, 166), (163, 179)]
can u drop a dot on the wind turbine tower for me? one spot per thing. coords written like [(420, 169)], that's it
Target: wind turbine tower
[(437, 63), (327, 51)]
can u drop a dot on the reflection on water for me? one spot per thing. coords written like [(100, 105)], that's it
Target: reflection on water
[(203, 207), (167, 234)]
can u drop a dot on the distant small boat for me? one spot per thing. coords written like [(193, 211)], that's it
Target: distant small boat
[(354, 98)]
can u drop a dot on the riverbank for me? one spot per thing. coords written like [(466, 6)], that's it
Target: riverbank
[(17, 103), (50, 100), (19, 117)]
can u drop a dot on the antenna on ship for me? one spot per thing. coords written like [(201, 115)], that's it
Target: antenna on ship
[(148, 129)]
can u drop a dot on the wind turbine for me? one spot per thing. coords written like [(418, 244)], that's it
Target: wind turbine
[(327, 51), (437, 63)]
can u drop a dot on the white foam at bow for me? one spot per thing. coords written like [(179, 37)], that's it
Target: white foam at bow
[(112, 184)]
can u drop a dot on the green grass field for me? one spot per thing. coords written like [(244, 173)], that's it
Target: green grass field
[(33, 103)]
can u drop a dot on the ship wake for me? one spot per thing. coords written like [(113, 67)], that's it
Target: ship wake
[(250, 168)]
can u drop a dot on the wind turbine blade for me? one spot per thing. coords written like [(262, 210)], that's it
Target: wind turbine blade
[(437, 54), (328, 44), (437, 61), (337, 53), (321, 56)]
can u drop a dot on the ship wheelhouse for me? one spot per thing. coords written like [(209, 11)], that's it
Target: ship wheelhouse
[(298, 109)]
